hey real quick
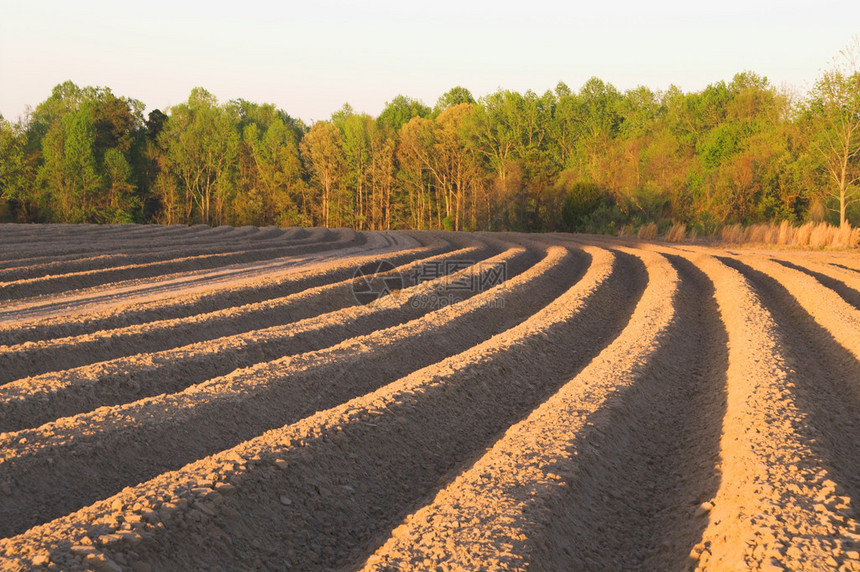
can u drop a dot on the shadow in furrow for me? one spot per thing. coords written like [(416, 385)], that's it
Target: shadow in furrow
[(129, 252), (844, 267), (827, 381), (472, 428), (351, 490), (104, 277), (90, 469), (220, 297), (651, 453), (127, 341), (847, 293), (146, 375)]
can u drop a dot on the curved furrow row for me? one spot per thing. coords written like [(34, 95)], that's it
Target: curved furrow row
[(28, 298), (36, 235), (506, 401), (38, 241), (98, 299), (827, 307), (208, 295), (606, 474), (35, 358), (47, 234), (844, 283), (27, 288), (275, 232), (82, 247), (127, 444), (826, 263), (777, 506), (32, 401), (129, 256), (852, 264), (313, 494), (21, 251)]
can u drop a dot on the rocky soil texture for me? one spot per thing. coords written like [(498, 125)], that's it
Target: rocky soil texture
[(311, 399)]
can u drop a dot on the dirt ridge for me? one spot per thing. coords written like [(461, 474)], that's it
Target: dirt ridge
[(613, 404)]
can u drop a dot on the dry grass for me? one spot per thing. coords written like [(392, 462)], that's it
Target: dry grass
[(677, 233), (648, 231), (815, 235), (626, 230)]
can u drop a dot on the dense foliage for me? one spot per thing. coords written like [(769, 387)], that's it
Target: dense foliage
[(594, 160)]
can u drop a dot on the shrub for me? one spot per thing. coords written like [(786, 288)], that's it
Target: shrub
[(579, 202)]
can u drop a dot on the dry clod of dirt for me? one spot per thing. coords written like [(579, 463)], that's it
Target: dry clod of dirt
[(316, 399)]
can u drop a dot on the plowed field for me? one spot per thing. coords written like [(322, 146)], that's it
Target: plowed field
[(178, 398)]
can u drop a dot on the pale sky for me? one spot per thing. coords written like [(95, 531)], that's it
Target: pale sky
[(311, 57)]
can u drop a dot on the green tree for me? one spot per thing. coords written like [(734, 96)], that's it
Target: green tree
[(15, 187), (399, 111), (580, 200), (357, 159), (414, 151), (453, 97), (149, 167), (835, 108), (269, 186), (276, 160), (600, 119), (322, 151), (120, 189), (73, 141), (69, 172), (201, 144)]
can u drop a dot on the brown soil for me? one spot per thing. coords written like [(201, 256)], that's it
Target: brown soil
[(195, 398)]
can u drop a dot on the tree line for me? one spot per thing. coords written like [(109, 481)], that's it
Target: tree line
[(596, 160)]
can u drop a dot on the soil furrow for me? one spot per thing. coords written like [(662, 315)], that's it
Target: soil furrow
[(825, 377), (210, 297), (30, 402), (128, 259), (137, 441), (50, 284), (648, 464), (30, 359), (609, 472), (776, 507), (351, 471), (832, 280), (83, 246), (37, 242), (79, 242), (827, 308), (41, 306), (845, 267), (206, 402)]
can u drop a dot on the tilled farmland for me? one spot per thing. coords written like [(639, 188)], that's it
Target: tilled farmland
[(178, 398)]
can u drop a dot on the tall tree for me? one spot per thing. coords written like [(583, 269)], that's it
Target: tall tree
[(69, 171), (835, 108), (413, 154), (323, 154), (201, 143), (454, 96), (269, 187), (400, 110), (276, 159), (121, 200), (357, 161), (15, 176)]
